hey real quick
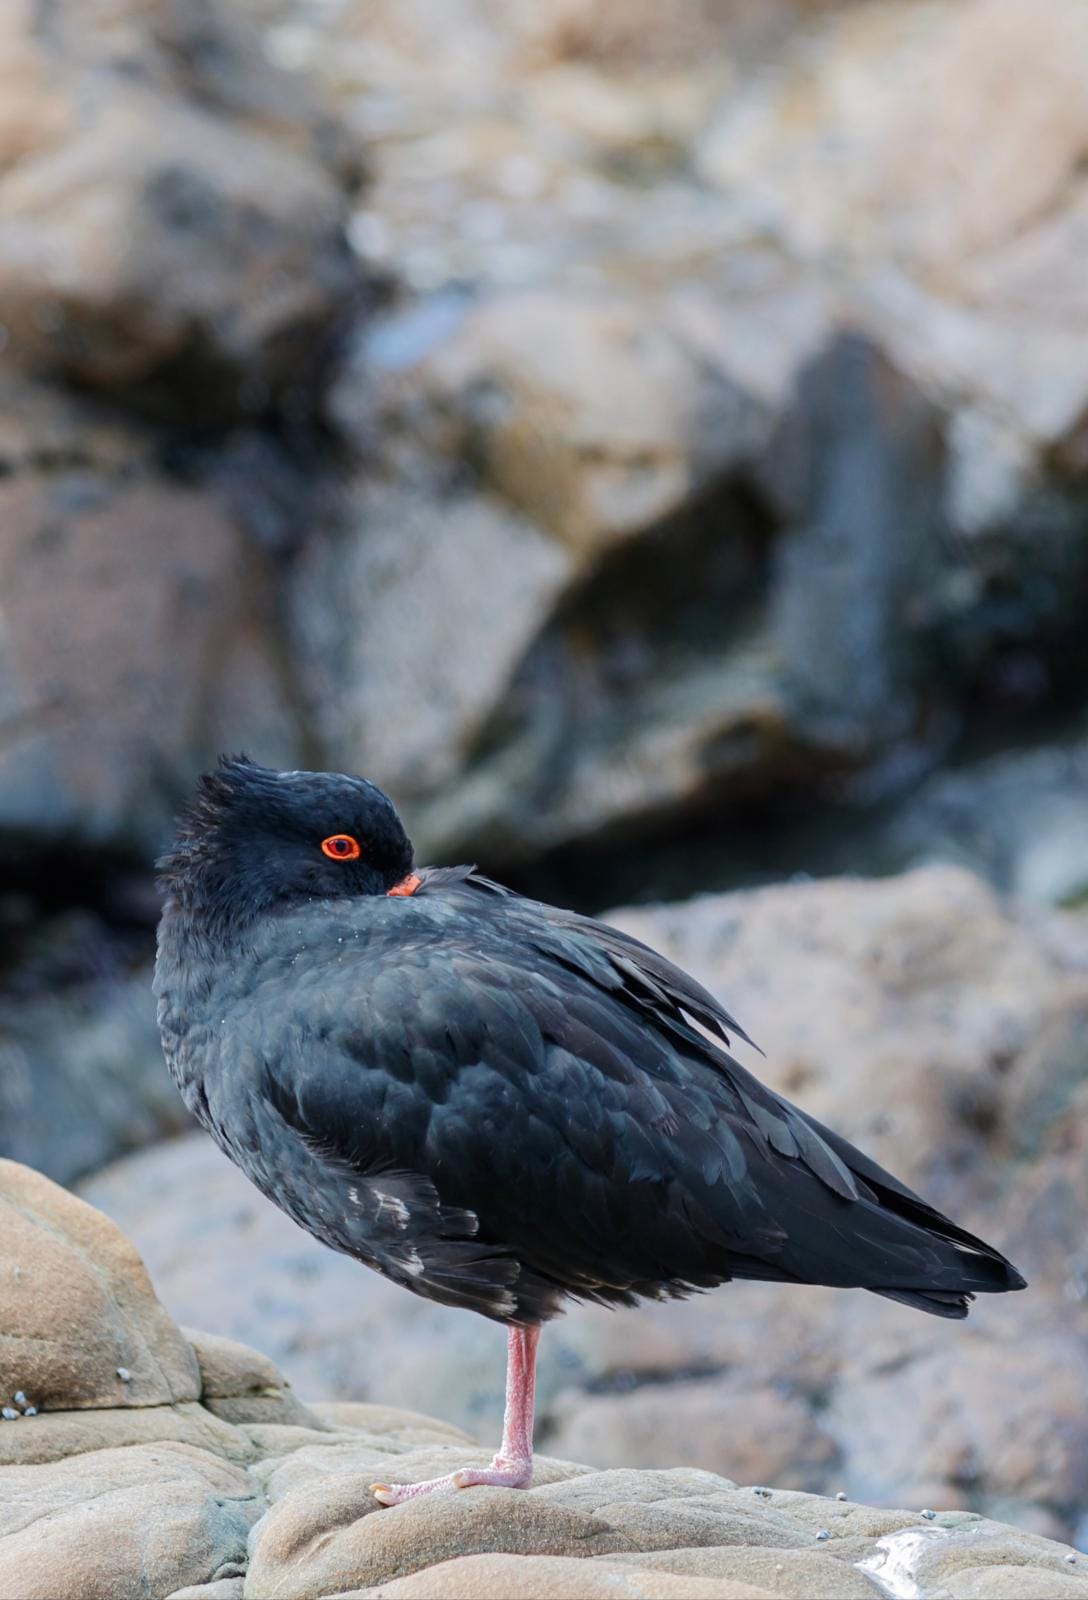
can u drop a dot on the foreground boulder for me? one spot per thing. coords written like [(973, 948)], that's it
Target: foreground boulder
[(196, 1475)]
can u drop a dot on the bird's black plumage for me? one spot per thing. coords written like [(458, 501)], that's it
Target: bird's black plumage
[(496, 1103)]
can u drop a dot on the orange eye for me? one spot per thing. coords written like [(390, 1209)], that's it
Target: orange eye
[(341, 847)]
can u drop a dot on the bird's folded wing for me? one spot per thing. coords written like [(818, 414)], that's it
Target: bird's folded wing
[(596, 947)]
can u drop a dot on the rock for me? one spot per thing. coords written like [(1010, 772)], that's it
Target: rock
[(263, 1508), (634, 34), (558, 1578), (596, 744), (59, 1434), (145, 1519), (1016, 1584), (90, 1046), (936, 1026), (329, 1542), (626, 411), (681, 1508), (365, 1455), (405, 702), (220, 1589), (793, 1571), (964, 259), (731, 1542), (858, 470), (753, 1430), (983, 1559), (82, 1326), (102, 727), (585, 412), (669, 317), (587, 421), (1020, 819), (233, 258), (391, 1421), (890, 185), (966, 1408), (240, 1386)]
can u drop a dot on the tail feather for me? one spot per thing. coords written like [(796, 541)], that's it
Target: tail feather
[(938, 1302), (961, 1264)]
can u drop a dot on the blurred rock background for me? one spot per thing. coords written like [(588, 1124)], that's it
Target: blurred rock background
[(652, 441)]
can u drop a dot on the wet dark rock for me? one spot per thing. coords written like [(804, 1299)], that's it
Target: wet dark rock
[(857, 472), (1020, 818), (137, 632), (81, 1077)]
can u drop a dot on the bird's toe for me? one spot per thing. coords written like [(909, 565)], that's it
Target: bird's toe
[(395, 1494), (501, 1474)]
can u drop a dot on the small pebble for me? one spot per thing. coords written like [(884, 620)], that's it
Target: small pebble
[(841, 1495), (765, 1493), (31, 1411), (929, 1515), (822, 1535), (1071, 1558), (124, 1374), (8, 1413), (19, 1397)]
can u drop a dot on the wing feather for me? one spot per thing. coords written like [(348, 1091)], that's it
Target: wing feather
[(507, 1104)]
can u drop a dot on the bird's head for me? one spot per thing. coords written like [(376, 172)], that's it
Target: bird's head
[(252, 838)]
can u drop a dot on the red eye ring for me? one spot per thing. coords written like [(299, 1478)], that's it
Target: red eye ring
[(341, 847)]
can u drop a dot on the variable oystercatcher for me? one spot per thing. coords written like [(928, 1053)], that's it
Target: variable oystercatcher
[(495, 1103)]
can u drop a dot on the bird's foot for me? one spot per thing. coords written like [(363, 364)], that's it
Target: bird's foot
[(502, 1473)]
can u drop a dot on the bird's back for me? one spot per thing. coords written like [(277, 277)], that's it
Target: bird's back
[(500, 1104)]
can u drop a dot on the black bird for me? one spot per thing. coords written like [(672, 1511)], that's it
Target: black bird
[(497, 1104)]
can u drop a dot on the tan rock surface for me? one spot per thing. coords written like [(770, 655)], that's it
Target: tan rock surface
[(219, 1589), (240, 1386), (990, 1583), (311, 1545), (138, 1521), (79, 1322), (558, 1578), (57, 1435), (283, 1510), (801, 1574)]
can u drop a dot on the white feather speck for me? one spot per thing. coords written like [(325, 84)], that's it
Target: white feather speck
[(394, 1205)]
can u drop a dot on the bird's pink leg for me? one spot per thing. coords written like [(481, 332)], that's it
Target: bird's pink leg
[(512, 1468)]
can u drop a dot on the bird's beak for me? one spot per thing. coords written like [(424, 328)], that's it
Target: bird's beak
[(407, 885)]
